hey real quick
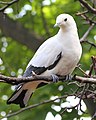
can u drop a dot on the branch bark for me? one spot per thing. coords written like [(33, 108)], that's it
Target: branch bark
[(89, 7), (87, 33), (9, 28), (33, 106), (8, 4), (16, 81)]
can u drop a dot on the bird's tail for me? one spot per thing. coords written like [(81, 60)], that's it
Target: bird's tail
[(24, 92)]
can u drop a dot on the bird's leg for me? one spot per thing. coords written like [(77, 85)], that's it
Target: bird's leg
[(55, 78)]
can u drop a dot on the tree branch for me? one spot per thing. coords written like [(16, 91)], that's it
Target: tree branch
[(77, 78), (33, 106), (86, 33), (89, 7), (13, 80), (16, 81), (85, 80), (10, 27), (7, 5), (83, 39)]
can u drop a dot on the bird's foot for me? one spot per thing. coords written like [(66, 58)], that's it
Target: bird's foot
[(68, 77), (55, 78)]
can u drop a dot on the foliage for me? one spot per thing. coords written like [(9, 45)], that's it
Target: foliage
[(14, 56)]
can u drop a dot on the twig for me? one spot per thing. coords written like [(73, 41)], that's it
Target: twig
[(83, 91), (94, 63), (81, 13), (87, 33), (33, 106), (7, 5), (91, 43), (77, 105), (1, 2), (91, 69), (89, 7), (68, 108), (85, 80), (85, 17), (83, 71)]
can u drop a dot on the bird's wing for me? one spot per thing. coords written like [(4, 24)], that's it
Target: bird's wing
[(46, 57)]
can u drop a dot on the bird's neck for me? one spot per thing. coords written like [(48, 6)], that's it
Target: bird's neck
[(65, 30), (63, 33), (68, 38)]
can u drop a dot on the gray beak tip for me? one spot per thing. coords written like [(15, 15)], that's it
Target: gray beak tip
[(55, 25)]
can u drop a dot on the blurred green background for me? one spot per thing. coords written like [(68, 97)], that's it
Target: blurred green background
[(38, 16)]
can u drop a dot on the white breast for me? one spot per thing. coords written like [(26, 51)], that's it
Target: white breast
[(71, 53)]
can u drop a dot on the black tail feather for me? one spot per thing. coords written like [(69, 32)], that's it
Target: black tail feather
[(21, 96), (19, 99)]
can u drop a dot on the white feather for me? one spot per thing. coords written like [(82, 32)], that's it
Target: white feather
[(47, 53), (65, 41)]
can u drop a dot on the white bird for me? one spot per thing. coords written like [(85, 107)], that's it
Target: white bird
[(58, 55)]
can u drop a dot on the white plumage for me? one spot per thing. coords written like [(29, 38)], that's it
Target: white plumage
[(65, 41), (58, 55)]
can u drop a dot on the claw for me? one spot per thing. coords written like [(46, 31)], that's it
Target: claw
[(55, 78), (68, 77)]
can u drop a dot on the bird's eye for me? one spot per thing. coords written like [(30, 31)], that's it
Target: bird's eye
[(65, 19)]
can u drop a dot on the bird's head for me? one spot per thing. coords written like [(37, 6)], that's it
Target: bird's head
[(65, 21)]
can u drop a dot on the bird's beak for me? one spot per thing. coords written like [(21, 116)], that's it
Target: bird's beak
[(56, 25)]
